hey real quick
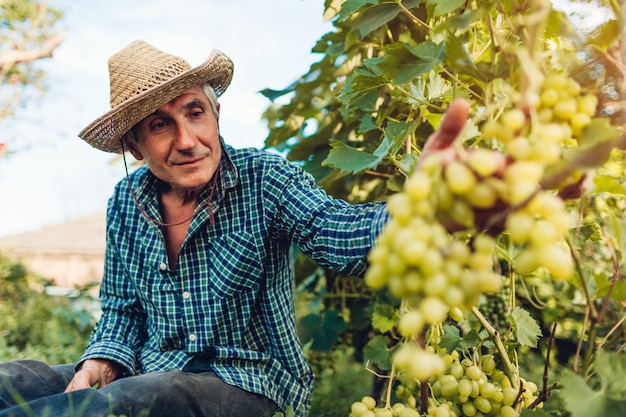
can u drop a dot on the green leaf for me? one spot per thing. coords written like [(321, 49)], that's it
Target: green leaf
[(457, 56), (536, 412), (611, 367), (609, 184), (349, 7), (384, 317), (367, 124), (444, 7), (393, 138), (437, 87), (377, 16), (527, 331), (378, 352), (610, 33), (347, 158), (579, 398), (407, 163), (452, 339), (365, 79), (323, 330), (603, 285), (607, 401), (404, 62)]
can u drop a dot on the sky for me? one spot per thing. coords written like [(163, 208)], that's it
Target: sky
[(54, 176)]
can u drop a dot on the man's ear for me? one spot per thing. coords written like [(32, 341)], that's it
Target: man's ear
[(130, 146)]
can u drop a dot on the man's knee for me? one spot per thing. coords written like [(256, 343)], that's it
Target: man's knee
[(26, 380)]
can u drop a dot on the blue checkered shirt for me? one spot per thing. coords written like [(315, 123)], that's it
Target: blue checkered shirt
[(233, 287)]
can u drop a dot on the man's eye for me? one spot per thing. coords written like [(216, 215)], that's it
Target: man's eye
[(157, 125), (197, 113)]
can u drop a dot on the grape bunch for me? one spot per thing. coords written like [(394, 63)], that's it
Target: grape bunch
[(419, 261), (466, 388), (535, 139), (496, 307)]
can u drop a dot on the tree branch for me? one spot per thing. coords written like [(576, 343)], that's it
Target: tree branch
[(45, 50)]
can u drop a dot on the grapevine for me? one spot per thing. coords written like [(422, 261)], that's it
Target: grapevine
[(451, 222)]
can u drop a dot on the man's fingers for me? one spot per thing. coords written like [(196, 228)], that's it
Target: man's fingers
[(451, 126), (82, 379)]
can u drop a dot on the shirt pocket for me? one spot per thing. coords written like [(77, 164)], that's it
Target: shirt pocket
[(235, 265)]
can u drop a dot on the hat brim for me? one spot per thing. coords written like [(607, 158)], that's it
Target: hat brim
[(105, 132)]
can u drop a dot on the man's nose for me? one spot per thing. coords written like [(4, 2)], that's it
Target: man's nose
[(185, 137)]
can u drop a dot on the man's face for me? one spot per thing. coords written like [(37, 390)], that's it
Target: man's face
[(180, 141)]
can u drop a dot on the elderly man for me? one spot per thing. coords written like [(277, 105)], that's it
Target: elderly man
[(197, 293)]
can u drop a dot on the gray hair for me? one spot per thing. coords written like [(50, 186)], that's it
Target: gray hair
[(211, 95)]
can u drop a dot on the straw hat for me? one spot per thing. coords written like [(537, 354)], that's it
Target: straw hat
[(142, 79)]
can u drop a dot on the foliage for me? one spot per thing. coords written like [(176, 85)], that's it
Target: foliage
[(35, 325), (28, 33), (358, 120)]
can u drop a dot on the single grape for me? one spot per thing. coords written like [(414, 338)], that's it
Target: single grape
[(473, 372), (411, 323), (459, 177), (455, 314), (483, 162), (549, 97), (513, 119), (565, 109), (434, 310), (369, 401), (482, 404), (465, 387), (508, 411), (418, 186), (359, 409)]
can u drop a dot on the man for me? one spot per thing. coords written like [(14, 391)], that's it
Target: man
[(197, 293)]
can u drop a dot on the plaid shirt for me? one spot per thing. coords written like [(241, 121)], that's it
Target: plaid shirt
[(233, 287)]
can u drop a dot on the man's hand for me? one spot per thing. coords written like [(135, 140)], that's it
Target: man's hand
[(98, 372), (451, 126)]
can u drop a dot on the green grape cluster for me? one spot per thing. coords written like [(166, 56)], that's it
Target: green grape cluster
[(477, 388), (496, 307), (466, 388), (419, 261), (534, 140)]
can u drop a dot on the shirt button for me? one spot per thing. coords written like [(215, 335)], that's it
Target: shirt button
[(186, 295), (162, 266), (192, 337)]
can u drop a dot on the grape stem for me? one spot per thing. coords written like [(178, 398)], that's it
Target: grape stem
[(544, 394), (509, 368)]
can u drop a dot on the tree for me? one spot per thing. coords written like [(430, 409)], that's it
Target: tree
[(548, 96), (28, 33)]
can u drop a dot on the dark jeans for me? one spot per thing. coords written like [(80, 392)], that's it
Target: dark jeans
[(34, 389)]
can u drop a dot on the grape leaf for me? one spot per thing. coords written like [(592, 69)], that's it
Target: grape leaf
[(611, 368), (394, 137), (384, 317), (406, 163), (609, 400), (349, 7), (323, 329), (452, 339), (347, 158), (444, 7), (376, 16), (377, 351), (527, 412), (609, 184), (527, 330)]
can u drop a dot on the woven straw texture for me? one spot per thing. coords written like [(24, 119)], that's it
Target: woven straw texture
[(142, 79)]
